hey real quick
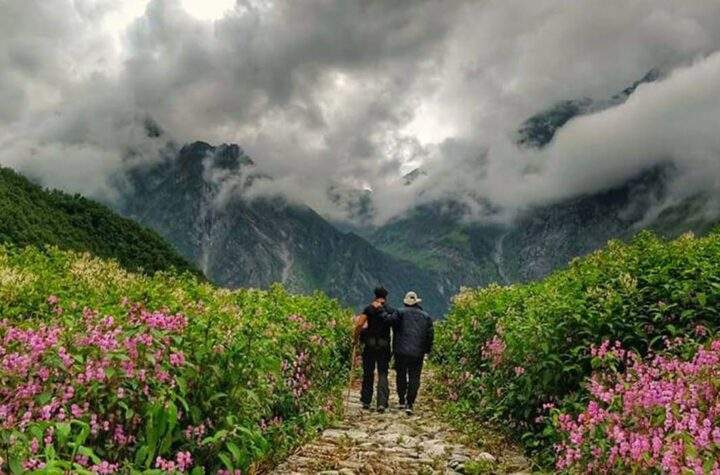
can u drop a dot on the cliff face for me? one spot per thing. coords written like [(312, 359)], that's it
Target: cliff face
[(194, 198)]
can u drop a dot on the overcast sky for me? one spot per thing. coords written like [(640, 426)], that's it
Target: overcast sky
[(355, 94)]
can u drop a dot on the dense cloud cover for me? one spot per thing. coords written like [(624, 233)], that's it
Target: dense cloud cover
[(351, 95)]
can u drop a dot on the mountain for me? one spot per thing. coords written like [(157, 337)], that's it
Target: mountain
[(33, 216), (435, 237), (541, 239), (548, 237), (538, 130), (196, 198)]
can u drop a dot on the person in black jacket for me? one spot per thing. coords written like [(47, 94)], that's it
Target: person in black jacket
[(374, 332), (413, 336)]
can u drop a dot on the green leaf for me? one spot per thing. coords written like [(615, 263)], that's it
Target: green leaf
[(15, 465), (234, 450), (217, 396), (141, 455), (88, 452), (182, 384), (36, 431), (49, 452), (44, 398), (225, 460), (62, 429), (170, 421)]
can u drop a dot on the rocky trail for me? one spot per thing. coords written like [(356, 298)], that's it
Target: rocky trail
[(368, 442)]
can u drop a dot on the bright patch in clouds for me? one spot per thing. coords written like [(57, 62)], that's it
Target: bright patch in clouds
[(207, 9), (126, 11), (430, 125)]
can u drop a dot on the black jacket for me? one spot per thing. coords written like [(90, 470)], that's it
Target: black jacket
[(377, 333), (413, 332)]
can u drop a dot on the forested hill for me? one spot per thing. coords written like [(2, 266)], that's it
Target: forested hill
[(31, 215)]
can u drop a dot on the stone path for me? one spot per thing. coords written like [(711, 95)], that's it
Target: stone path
[(367, 442)]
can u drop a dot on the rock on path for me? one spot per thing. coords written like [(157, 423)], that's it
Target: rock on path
[(367, 442)]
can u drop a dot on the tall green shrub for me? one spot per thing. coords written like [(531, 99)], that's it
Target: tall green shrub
[(508, 351)]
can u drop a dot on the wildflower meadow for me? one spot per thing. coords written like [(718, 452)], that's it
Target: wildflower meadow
[(105, 371)]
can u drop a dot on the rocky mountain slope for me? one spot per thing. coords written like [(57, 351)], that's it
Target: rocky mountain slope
[(194, 197), (544, 238)]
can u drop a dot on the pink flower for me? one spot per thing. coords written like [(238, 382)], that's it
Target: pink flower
[(166, 465), (49, 435), (494, 350), (105, 467), (33, 464), (177, 359), (65, 357), (184, 460), (76, 411)]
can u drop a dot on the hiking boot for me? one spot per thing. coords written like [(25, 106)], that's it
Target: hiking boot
[(381, 409), (409, 410), (401, 406), (366, 406)]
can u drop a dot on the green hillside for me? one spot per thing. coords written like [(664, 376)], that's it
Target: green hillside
[(509, 353), (30, 215)]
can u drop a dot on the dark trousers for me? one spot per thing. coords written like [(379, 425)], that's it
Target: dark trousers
[(373, 357), (409, 369)]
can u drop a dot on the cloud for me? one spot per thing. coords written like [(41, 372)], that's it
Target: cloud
[(353, 94)]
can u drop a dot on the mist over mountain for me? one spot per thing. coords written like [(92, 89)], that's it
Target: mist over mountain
[(195, 197), (541, 239), (213, 204)]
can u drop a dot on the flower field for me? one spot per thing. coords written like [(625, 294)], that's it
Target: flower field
[(105, 371), (533, 358), (658, 415)]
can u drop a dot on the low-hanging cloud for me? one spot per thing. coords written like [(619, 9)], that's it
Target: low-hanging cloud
[(350, 95)]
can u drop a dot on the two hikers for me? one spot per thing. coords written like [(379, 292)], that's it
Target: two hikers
[(412, 332)]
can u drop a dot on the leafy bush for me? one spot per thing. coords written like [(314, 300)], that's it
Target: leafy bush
[(30, 215), (660, 415), (508, 351), (102, 370)]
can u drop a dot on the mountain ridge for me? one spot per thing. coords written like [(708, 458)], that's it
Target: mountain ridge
[(255, 241)]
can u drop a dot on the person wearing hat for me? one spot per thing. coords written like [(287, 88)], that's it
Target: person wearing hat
[(413, 336)]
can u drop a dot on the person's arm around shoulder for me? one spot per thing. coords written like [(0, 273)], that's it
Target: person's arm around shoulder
[(389, 315)]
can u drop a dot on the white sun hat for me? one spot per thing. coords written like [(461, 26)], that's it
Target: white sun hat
[(411, 298)]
